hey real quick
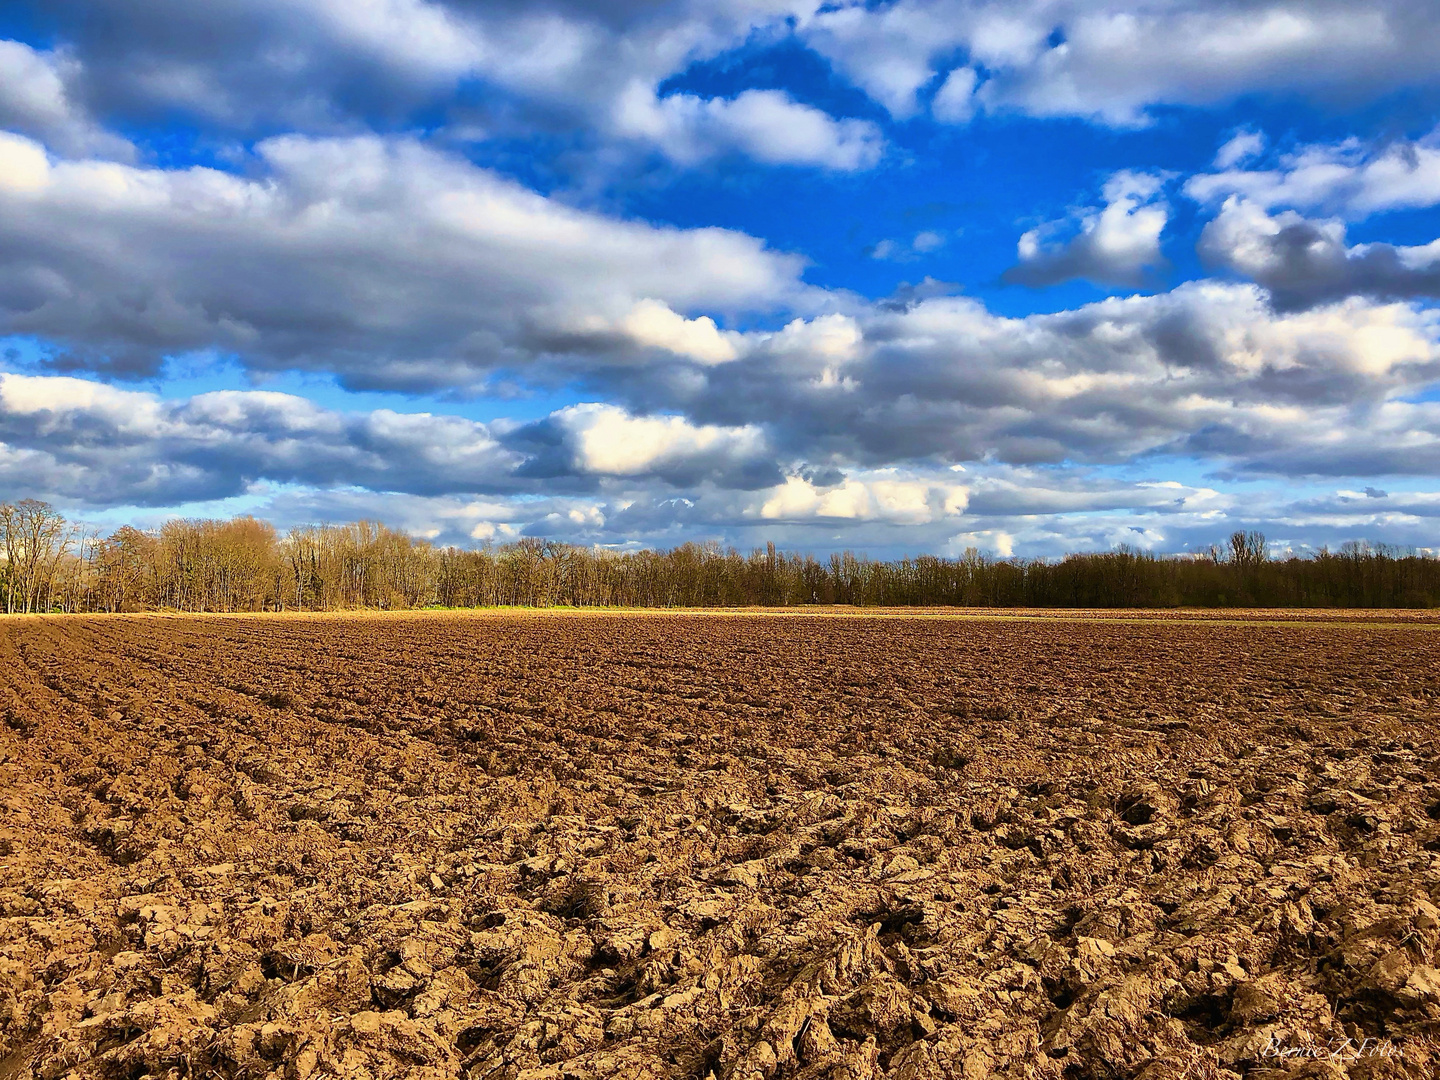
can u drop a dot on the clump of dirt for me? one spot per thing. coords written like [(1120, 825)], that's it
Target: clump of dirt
[(717, 848)]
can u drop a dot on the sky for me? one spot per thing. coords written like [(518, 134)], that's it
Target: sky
[(1033, 277)]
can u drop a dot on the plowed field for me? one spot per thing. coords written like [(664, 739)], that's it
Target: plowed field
[(692, 846)]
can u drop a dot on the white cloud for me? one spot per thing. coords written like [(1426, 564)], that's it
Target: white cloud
[(24, 167), (768, 125), (928, 241), (380, 259), (653, 323), (1349, 178), (1208, 371), (501, 532), (831, 338), (1113, 60), (923, 243), (427, 39), (85, 444), (1303, 262), (99, 444), (1116, 61), (886, 50), (324, 63), (1115, 245), (954, 102), (607, 439), (52, 401), (1242, 146), (903, 501), (132, 446), (1202, 371), (36, 100), (815, 350), (319, 65)]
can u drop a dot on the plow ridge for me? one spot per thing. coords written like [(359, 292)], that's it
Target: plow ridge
[(739, 848)]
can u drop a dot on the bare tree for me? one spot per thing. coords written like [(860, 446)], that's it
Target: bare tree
[(10, 548), (35, 541), (1247, 549), (242, 565)]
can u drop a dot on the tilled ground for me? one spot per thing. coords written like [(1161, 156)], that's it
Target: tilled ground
[(562, 846)]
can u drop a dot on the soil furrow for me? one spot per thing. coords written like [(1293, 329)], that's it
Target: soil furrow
[(740, 847)]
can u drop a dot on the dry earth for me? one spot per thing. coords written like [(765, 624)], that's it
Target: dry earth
[(582, 846)]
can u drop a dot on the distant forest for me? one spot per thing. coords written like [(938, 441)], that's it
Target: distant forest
[(50, 564)]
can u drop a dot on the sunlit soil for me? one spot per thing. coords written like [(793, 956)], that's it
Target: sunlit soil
[(534, 845)]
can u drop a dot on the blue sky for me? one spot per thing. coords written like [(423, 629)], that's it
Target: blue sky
[(895, 277)]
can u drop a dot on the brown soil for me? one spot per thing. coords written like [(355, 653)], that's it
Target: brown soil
[(584, 846)]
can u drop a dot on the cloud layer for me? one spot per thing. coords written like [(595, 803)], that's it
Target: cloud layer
[(420, 197), (1302, 263), (1116, 245), (321, 63), (1208, 370), (382, 260), (1351, 178)]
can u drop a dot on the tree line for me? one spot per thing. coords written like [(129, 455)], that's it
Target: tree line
[(50, 564)]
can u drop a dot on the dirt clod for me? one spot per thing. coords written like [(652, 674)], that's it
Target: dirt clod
[(561, 847)]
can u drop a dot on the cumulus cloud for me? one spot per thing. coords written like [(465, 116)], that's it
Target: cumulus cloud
[(887, 50), (36, 99), (921, 244), (1009, 493), (946, 380), (382, 260), (1242, 146), (1303, 262), (1350, 178), (1113, 61), (954, 102), (100, 445), (617, 476), (85, 442), (898, 500), (606, 440), (652, 323), (1011, 510), (397, 266), (304, 62), (768, 125), (1389, 438), (324, 62), (1116, 245), (392, 265)]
